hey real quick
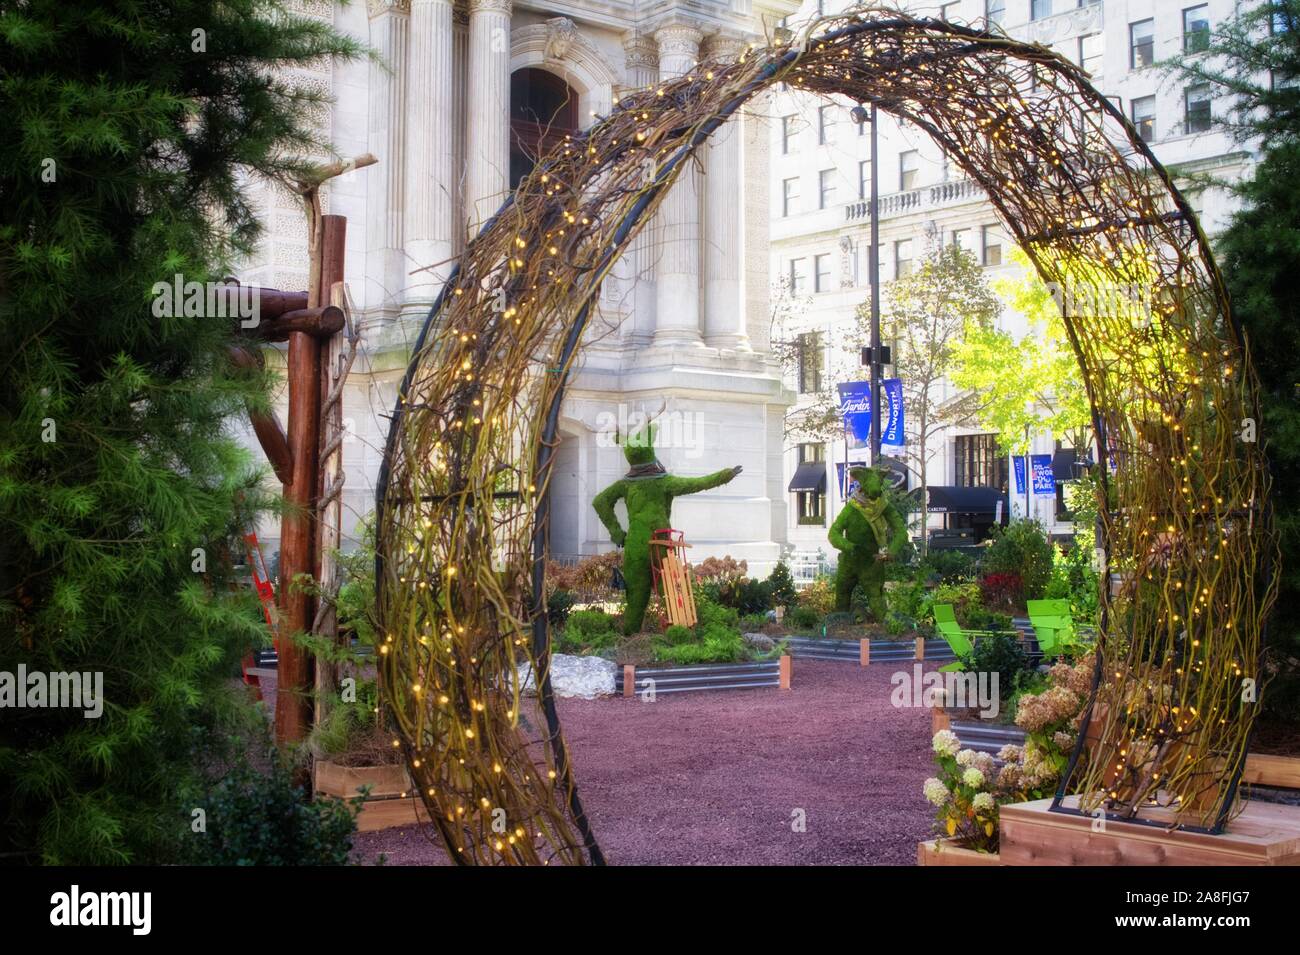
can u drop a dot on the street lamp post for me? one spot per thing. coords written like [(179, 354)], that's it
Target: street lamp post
[(862, 115)]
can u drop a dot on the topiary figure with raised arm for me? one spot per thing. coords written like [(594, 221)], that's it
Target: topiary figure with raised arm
[(867, 532), (648, 490)]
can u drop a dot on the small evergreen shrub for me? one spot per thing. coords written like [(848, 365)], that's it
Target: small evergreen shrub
[(255, 818), (1022, 548), (558, 606), (780, 586), (804, 618)]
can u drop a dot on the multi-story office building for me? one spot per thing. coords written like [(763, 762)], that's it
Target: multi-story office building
[(820, 180)]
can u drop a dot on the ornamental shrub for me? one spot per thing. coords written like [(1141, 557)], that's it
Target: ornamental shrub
[(781, 588), (1022, 548)]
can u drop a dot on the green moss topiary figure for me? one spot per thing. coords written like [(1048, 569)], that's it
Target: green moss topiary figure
[(648, 490), (868, 529)]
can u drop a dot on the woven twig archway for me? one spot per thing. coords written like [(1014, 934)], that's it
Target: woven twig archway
[(462, 504)]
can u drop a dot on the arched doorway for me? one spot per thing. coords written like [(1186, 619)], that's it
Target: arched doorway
[(543, 110), (462, 505)]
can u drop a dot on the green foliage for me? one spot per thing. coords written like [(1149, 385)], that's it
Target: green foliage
[(780, 586), (1022, 548), (263, 818), (1257, 253), (753, 596), (754, 621), (979, 618), (710, 612), (122, 165), (715, 643), (1002, 654), (676, 635), (587, 631), (946, 565), (1075, 579), (962, 595), (906, 598), (804, 619), (1035, 383), (558, 606)]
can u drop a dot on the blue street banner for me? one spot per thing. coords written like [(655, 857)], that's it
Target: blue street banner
[(1044, 480), (1018, 465), (893, 431), (855, 406)]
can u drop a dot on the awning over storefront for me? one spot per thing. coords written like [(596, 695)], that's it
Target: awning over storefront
[(964, 500), (810, 477), (1063, 465)]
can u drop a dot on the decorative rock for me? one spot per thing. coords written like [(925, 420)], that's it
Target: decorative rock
[(585, 677), (759, 641)]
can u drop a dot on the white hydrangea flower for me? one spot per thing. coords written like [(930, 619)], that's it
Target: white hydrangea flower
[(983, 802), (935, 791), (966, 757), (946, 743), (973, 778)]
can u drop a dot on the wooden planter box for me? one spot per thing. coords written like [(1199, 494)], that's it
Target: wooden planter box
[(944, 852), (390, 802)]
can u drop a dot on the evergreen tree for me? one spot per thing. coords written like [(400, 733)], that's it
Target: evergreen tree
[(130, 126), (1255, 58)]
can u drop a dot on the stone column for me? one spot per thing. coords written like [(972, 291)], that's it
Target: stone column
[(724, 316), (384, 137), (429, 171), (677, 315), (642, 62), (487, 173)]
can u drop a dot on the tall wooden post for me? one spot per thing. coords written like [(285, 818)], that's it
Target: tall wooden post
[(298, 551)]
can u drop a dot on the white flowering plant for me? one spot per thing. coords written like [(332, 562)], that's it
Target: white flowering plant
[(965, 792)]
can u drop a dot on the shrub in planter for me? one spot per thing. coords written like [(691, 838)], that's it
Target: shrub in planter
[(753, 596), (255, 818), (1075, 579), (905, 597), (594, 576), (780, 587), (962, 596), (677, 634), (558, 606), (588, 630), (964, 793), (1002, 590), (1001, 654), (819, 596), (804, 618), (1050, 720), (946, 566), (1022, 548), (711, 612), (753, 622)]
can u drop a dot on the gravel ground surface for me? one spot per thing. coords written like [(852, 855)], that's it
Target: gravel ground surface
[(716, 778)]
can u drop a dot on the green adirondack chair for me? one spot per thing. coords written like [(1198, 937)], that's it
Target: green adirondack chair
[(945, 620), (1053, 626)]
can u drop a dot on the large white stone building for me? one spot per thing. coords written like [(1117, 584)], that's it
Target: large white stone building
[(464, 94), (820, 227), (463, 97)]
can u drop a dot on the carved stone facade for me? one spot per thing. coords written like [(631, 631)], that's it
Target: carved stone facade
[(683, 319)]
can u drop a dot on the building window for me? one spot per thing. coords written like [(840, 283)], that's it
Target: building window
[(1141, 44), (789, 196), (864, 178), (1196, 29), (788, 132), (812, 453), (1144, 117), (995, 11), (811, 507), (1040, 9), (909, 168), (949, 12), (1281, 21), (798, 278), (1196, 108), (825, 125), (809, 348), (825, 188), (961, 239), (822, 272), (1091, 54), (979, 463), (902, 258), (992, 242)]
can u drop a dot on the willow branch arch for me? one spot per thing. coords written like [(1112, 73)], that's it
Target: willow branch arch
[(462, 504)]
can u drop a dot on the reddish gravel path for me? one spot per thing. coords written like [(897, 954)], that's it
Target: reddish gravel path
[(711, 778)]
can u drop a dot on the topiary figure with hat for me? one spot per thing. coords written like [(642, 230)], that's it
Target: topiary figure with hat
[(648, 490), (867, 532)]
